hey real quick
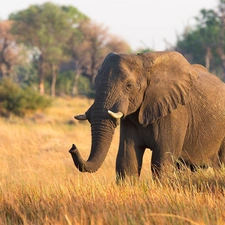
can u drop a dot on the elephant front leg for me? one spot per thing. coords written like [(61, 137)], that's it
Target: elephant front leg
[(162, 162), (130, 154), (129, 162), (156, 164), (168, 139)]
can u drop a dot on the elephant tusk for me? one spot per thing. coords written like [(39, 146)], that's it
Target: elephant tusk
[(115, 115), (81, 117)]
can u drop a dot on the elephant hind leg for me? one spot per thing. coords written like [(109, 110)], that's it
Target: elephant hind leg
[(182, 164)]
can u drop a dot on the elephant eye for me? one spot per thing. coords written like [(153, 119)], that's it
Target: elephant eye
[(129, 86)]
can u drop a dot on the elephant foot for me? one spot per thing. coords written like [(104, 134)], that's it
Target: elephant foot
[(181, 164)]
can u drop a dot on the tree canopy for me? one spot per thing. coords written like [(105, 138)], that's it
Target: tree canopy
[(58, 49), (205, 43), (11, 53), (48, 28), (58, 35)]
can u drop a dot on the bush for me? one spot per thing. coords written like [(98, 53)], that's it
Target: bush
[(84, 87), (18, 101), (65, 83)]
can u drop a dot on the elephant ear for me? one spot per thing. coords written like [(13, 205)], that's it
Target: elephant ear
[(170, 78)]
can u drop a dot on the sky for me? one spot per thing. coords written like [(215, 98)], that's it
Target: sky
[(142, 24)]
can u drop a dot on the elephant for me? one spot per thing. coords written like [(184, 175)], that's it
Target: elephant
[(162, 103)]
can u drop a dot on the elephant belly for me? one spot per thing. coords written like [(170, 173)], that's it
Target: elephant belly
[(202, 150), (206, 128)]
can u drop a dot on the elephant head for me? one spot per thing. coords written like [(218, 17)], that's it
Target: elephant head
[(149, 84)]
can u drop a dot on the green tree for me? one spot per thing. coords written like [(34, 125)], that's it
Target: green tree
[(205, 43), (48, 27), (11, 54), (76, 46), (89, 45), (18, 101), (200, 41)]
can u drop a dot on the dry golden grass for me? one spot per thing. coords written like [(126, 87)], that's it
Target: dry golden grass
[(40, 185)]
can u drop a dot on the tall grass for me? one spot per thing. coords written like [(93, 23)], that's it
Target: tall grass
[(40, 185)]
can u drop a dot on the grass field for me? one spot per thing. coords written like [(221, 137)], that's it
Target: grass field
[(40, 185)]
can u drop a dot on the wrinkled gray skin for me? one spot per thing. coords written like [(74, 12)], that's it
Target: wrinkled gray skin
[(168, 105)]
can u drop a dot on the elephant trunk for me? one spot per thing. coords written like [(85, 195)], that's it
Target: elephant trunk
[(102, 134)]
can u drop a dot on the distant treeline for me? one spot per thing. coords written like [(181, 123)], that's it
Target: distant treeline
[(57, 50)]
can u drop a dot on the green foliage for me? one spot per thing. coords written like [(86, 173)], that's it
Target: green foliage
[(205, 35), (74, 14), (84, 87), (190, 45), (27, 75), (205, 43), (48, 28), (18, 101), (65, 84), (45, 25)]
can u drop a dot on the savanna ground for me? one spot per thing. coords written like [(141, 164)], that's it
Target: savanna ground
[(40, 184)]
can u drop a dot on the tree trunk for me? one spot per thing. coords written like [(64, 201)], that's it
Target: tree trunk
[(54, 74), (208, 58), (41, 76), (75, 84), (222, 57), (2, 71)]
